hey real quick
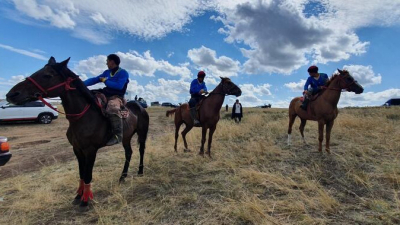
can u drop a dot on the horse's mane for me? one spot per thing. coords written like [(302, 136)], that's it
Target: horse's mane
[(86, 93)]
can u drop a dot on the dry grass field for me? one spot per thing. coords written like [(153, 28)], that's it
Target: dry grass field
[(253, 177)]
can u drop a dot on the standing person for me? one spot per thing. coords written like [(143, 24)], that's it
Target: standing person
[(226, 108), (317, 81), (116, 80), (237, 111), (197, 88)]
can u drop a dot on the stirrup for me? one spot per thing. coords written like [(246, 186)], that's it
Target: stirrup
[(113, 141)]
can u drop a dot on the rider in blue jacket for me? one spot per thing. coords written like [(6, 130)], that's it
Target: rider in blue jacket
[(116, 80), (197, 88), (317, 81)]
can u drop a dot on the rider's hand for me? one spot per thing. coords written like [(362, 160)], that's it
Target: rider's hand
[(103, 79), (305, 92), (201, 91)]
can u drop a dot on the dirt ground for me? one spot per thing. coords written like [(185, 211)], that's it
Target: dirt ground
[(36, 145)]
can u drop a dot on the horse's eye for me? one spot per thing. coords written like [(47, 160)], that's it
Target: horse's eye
[(47, 76)]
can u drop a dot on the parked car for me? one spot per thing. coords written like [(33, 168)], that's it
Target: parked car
[(154, 103), (5, 154), (393, 101), (141, 102), (31, 111), (168, 104)]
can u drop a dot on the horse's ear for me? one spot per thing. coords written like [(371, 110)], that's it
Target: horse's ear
[(65, 62), (51, 61), (340, 71), (221, 77)]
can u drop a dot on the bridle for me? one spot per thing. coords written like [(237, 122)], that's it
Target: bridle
[(67, 87), (342, 79), (225, 93)]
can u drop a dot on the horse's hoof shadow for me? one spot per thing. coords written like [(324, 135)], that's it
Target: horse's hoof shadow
[(76, 201)]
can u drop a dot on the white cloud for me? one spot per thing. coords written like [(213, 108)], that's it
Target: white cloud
[(145, 19), (296, 87), (364, 74), (206, 58), (253, 95), (281, 38), (368, 98), (135, 64), (23, 52)]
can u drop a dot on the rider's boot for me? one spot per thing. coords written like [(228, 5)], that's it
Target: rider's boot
[(193, 114), (305, 103), (116, 125)]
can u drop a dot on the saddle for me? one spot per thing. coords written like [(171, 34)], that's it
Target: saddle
[(311, 97), (102, 101)]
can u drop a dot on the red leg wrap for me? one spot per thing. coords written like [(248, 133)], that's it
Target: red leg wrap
[(87, 193), (81, 187)]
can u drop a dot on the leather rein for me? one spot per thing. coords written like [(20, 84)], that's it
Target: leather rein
[(67, 87)]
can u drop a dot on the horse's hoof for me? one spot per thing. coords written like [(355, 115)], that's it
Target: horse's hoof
[(328, 151), (76, 201), (83, 207), (140, 174), (122, 180)]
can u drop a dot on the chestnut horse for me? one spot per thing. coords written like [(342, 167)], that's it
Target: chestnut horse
[(208, 113), (324, 108), (88, 129)]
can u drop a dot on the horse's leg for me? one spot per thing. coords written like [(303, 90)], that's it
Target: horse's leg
[(81, 165), (210, 135), (142, 146), (292, 117), (321, 134), (301, 128), (177, 127), (128, 155), (329, 126), (90, 157), (203, 140), (184, 132)]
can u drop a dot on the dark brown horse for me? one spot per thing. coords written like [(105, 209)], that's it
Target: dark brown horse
[(88, 129), (208, 113), (324, 108)]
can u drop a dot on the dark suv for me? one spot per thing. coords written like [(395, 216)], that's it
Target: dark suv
[(168, 104)]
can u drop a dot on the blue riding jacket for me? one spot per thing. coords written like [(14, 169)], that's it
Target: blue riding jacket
[(116, 84), (315, 84)]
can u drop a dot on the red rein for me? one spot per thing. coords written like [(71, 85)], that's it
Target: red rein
[(67, 86)]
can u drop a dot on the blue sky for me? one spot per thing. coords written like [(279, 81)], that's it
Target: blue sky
[(265, 47)]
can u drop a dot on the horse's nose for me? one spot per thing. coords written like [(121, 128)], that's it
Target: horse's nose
[(12, 94)]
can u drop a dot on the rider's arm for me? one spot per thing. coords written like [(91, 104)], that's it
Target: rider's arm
[(94, 80), (307, 84), (204, 86), (118, 81), (194, 88)]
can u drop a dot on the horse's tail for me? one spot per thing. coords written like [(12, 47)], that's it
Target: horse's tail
[(143, 120), (170, 112)]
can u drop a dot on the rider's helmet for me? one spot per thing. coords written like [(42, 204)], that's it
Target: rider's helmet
[(312, 69), (201, 74)]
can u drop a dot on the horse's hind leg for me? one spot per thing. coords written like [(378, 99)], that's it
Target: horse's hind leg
[(184, 132), (301, 128), (292, 117), (128, 155), (142, 147)]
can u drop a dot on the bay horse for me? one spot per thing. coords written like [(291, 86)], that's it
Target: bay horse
[(208, 112), (324, 108), (88, 128)]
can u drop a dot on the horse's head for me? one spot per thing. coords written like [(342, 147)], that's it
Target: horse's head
[(349, 83), (46, 82), (229, 88)]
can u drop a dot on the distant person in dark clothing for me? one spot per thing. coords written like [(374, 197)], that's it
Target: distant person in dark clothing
[(237, 111), (226, 107)]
